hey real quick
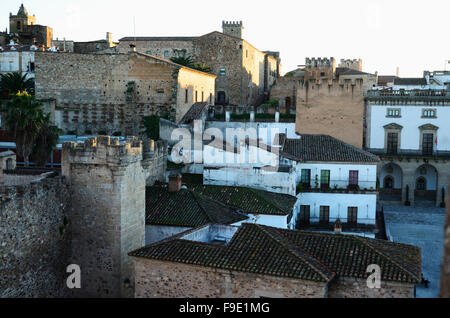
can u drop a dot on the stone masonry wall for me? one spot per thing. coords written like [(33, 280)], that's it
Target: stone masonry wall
[(219, 51), (34, 239), (357, 288), (157, 279), (108, 212), (99, 92)]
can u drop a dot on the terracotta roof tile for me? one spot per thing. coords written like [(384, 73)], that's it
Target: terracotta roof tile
[(295, 254)]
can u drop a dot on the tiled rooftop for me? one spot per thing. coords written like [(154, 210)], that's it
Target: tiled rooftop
[(325, 148), (295, 254), (186, 209), (251, 201)]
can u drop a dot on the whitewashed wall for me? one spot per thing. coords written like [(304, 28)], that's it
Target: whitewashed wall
[(16, 62), (411, 120), (265, 132), (339, 174), (339, 203), (279, 221), (156, 233)]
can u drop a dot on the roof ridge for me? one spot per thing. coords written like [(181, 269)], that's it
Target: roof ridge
[(293, 249), (197, 200), (265, 200), (360, 239)]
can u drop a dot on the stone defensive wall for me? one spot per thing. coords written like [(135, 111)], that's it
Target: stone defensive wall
[(34, 238)]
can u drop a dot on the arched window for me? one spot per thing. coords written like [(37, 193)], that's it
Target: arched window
[(388, 182), (421, 184)]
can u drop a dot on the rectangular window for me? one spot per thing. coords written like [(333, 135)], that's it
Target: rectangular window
[(352, 215), (306, 177), (186, 95), (325, 179), (210, 98), (393, 112), (427, 144), (304, 214), (222, 72), (429, 113), (196, 96), (203, 97), (166, 53), (324, 215), (353, 178), (149, 52), (392, 143)]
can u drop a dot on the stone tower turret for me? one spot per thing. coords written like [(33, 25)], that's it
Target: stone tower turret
[(21, 19), (234, 28), (107, 213)]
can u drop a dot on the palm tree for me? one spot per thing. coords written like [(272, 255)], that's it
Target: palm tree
[(183, 60), (45, 142), (13, 82), (24, 120), (202, 68), (188, 61)]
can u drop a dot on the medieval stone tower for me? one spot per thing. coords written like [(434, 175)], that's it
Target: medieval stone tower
[(234, 28), (108, 212), (21, 19)]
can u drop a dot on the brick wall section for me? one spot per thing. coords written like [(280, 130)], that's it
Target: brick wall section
[(445, 271), (34, 239), (357, 288), (157, 279)]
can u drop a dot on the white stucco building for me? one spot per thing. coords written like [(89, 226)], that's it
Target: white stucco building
[(331, 179), (17, 61), (409, 130)]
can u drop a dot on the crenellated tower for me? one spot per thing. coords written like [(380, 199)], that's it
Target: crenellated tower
[(234, 28), (107, 180)]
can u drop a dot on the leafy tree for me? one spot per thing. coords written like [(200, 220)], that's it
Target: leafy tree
[(24, 120), (46, 142), (14, 82)]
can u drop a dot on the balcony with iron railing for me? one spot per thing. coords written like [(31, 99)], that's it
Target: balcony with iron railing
[(428, 94), (338, 186)]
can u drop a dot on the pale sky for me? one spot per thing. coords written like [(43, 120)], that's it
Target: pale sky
[(386, 34)]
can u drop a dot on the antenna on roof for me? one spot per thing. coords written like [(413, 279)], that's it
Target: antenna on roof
[(134, 27)]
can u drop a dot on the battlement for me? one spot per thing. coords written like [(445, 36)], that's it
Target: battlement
[(104, 150), (355, 64), (319, 62), (232, 24), (233, 28)]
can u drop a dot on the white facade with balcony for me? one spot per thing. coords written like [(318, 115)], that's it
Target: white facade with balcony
[(409, 130)]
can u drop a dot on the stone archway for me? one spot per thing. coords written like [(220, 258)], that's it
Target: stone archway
[(391, 178), (426, 180)]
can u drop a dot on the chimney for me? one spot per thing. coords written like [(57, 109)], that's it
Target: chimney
[(338, 226), (174, 183), (227, 115), (277, 116), (108, 37), (252, 116)]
